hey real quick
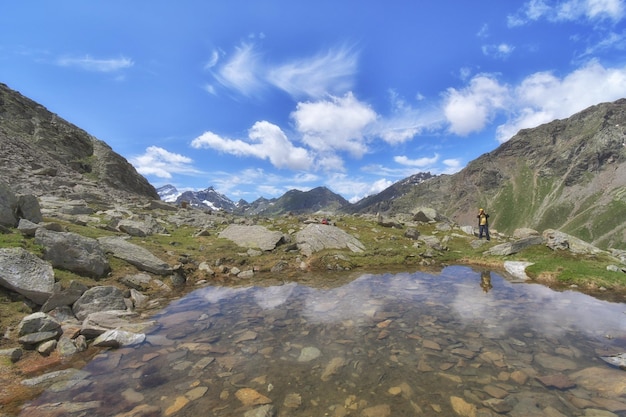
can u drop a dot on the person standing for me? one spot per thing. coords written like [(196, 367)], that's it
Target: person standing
[(483, 224)]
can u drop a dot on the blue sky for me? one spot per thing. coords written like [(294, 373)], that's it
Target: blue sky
[(259, 97)]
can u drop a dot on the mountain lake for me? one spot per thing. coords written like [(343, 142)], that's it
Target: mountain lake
[(461, 342)]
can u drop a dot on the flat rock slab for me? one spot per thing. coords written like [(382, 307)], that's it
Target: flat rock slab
[(316, 237), (255, 237)]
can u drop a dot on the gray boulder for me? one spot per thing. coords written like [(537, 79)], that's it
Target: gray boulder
[(255, 237), (102, 298), (64, 297), (509, 248), (557, 240), (140, 227), (28, 208), (8, 206), (316, 237), (37, 328), (99, 322), (134, 255), (73, 252), (26, 274), (117, 338), (426, 215)]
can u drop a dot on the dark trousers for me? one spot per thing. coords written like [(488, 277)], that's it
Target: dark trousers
[(483, 229)]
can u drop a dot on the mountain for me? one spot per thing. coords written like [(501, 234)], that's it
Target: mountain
[(319, 199), (205, 199), (568, 174), (294, 201), (381, 202), (42, 154)]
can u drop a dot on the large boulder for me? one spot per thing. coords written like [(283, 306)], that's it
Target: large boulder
[(255, 237), (26, 274), (509, 248), (557, 240), (316, 237), (96, 299), (28, 208), (134, 255), (73, 252)]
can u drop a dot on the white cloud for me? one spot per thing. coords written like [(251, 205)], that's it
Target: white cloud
[(569, 10), (266, 141), (240, 71), (472, 108), (543, 97), (498, 51), (451, 166), (162, 163), (330, 73), (335, 124), (98, 65), (420, 162)]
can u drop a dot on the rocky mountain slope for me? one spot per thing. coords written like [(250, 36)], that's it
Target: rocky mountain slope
[(43, 154), (568, 174)]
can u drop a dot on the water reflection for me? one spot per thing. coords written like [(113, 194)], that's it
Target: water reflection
[(383, 345)]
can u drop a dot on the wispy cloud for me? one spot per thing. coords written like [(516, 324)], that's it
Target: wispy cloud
[(242, 71), (246, 72), (498, 51), (329, 73), (569, 10), (97, 65), (163, 164)]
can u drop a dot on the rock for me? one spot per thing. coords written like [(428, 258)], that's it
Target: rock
[(27, 228), (509, 248), (99, 322), (96, 299), (333, 367), (517, 269), (134, 255), (412, 233), (524, 232), (8, 206), (426, 215), (309, 353), (558, 381), (26, 274), (606, 381), (468, 230), (73, 252), (382, 410), (267, 410), (14, 354), (28, 208), (117, 338), (462, 407), (249, 397), (64, 297), (141, 228), (557, 240), (255, 237), (316, 237), (37, 328)]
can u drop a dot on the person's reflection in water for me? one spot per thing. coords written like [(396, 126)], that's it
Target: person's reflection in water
[(485, 281)]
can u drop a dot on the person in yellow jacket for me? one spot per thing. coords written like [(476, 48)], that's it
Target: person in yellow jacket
[(483, 224)]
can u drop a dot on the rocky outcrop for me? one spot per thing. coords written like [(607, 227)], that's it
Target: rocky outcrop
[(43, 154), (15, 207)]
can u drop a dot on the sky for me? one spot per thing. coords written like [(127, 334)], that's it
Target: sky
[(258, 97)]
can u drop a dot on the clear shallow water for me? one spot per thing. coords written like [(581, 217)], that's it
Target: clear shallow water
[(405, 344)]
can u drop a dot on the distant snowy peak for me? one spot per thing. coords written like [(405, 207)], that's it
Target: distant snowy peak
[(168, 193), (208, 198)]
